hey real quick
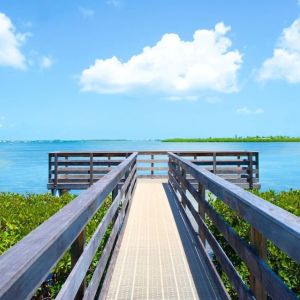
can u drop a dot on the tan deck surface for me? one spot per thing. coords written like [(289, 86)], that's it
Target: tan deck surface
[(152, 261)]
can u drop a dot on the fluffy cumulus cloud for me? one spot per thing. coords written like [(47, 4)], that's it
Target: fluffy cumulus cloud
[(285, 62), (246, 111), (173, 67), (10, 43)]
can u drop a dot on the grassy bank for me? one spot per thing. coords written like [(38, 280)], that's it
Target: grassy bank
[(234, 139), (20, 214)]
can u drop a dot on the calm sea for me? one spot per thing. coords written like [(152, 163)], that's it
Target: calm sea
[(24, 165)]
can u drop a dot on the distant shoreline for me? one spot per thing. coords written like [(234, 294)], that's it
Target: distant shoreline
[(234, 139)]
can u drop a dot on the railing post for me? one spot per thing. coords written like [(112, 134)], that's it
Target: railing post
[(214, 163), (259, 244), (257, 166), (250, 164), (91, 169), (55, 171), (182, 185), (201, 191), (152, 165), (76, 251)]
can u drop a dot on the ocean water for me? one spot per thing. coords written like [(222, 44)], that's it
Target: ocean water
[(24, 165)]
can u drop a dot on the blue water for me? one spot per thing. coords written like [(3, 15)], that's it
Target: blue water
[(24, 165)]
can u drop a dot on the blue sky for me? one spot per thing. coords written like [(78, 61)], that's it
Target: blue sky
[(80, 70)]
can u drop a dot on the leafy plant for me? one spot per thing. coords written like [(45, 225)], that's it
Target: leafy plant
[(20, 214), (279, 262)]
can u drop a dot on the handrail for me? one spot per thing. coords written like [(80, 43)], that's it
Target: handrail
[(267, 220), (26, 265), (78, 170)]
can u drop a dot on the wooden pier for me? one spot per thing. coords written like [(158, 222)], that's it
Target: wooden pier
[(79, 170), (157, 247)]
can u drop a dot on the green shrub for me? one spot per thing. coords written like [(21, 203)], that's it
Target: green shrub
[(280, 263), (20, 214)]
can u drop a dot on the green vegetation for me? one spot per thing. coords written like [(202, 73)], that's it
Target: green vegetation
[(278, 138), (279, 262), (20, 214)]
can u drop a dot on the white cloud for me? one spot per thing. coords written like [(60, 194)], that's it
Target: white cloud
[(285, 62), (179, 98), (46, 62), (86, 12), (246, 111), (116, 3), (173, 68), (10, 43)]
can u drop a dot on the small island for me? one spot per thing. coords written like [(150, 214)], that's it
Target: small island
[(277, 138)]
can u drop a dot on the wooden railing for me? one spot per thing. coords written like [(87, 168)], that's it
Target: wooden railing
[(25, 266), (79, 170), (267, 221)]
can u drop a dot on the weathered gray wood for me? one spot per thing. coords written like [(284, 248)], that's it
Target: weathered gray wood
[(250, 158), (72, 170), (213, 160), (234, 277), (276, 224), (77, 249), (259, 244), (124, 215), (198, 244), (24, 267), (86, 162), (271, 282), (154, 161), (101, 265), (72, 283), (201, 211), (152, 165), (152, 169)]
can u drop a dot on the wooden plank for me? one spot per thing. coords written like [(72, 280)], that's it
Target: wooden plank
[(227, 266), (155, 161), (149, 152), (276, 224), (101, 265), (201, 211), (259, 244), (152, 169), (25, 266), (87, 162), (272, 283), (200, 246), (250, 158), (95, 153), (77, 249), (229, 162), (72, 170), (124, 212), (152, 165), (73, 282), (152, 176)]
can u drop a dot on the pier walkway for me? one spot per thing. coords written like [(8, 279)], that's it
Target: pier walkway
[(158, 258), (155, 238)]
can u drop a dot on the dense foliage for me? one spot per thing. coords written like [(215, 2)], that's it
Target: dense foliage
[(278, 138), (20, 214), (280, 263)]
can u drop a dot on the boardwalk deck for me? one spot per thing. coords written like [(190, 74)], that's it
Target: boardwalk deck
[(157, 258), (158, 228)]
